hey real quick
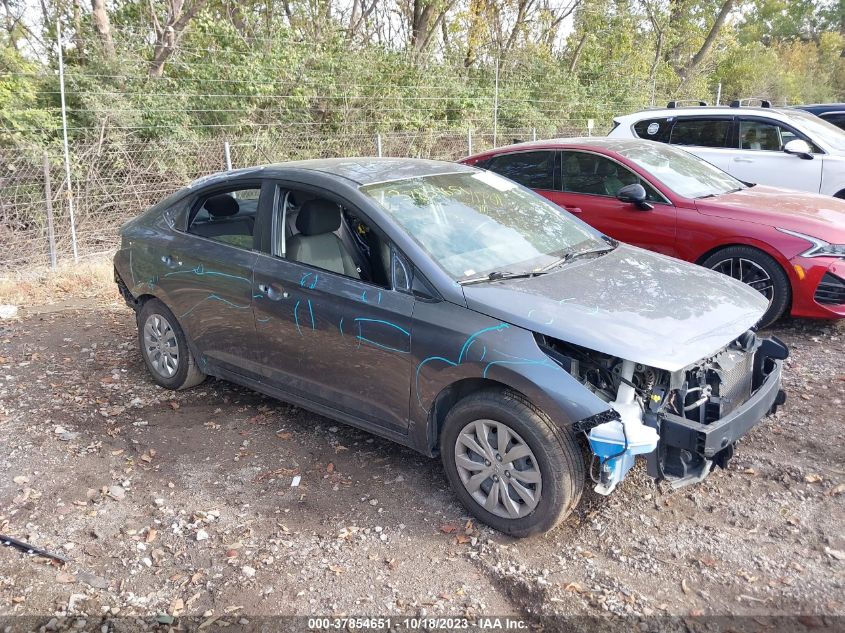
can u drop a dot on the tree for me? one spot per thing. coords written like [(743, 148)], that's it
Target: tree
[(168, 33), (103, 26)]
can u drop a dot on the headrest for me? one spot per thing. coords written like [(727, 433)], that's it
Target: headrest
[(222, 206), (318, 216), (607, 168)]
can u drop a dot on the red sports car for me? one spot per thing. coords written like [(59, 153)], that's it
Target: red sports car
[(787, 244)]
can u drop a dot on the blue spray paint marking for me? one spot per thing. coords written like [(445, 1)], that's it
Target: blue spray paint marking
[(264, 320), (314, 283), (214, 297), (495, 328), (296, 318), (303, 278), (530, 312), (311, 311), (417, 378), (401, 329), (361, 338), (258, 296), (364, 296), (340, 326), (379, 297), (200, 270), (463, 357)]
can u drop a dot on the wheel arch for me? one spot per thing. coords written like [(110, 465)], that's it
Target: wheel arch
[(748, 243), (449, 396), (780, 260)]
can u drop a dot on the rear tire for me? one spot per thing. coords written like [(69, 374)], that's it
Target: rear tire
[(529, 493), (164, 348), (759, 271)]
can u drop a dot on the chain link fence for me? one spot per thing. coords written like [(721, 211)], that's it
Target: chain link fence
[(112, 182)]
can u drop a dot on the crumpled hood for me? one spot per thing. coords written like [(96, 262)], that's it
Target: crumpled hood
[(808, 213), (630, 303)]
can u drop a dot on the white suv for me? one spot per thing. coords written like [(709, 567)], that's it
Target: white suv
[(780, 147)]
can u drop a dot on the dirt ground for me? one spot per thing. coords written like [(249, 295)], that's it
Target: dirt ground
[(183, 504)]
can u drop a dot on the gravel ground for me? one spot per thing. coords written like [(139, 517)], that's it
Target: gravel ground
[(184, 504)]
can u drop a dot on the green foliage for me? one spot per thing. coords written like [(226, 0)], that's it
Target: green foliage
[(241, 72), (23, 115)]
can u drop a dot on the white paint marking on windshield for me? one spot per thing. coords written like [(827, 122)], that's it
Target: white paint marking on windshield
[(497, 182)]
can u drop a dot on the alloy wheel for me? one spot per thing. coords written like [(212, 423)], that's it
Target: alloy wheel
[(749, 273), (498, 469), (161, 346)]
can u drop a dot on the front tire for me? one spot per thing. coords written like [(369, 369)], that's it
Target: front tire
[(758, 270), (165, 349), (509, 464)]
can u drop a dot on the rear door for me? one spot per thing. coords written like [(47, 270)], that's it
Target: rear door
[(759, 157), (206, 272), (589, 183), (325, 337), (709, 137), (534, 169)]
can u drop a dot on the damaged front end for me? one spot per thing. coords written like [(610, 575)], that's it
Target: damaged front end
[(684, 421)]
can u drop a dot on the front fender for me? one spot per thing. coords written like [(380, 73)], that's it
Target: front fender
[(481, 348)]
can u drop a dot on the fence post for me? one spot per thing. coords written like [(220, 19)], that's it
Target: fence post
[(469, 142), (496, 105), (228, 155), (48, 199), (64, 136), (378, 145)]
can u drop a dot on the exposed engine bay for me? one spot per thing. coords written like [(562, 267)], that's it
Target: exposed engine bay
[(670, 416)]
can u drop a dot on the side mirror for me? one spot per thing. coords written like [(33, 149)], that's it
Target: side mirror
[(634, 194), (800, 148)]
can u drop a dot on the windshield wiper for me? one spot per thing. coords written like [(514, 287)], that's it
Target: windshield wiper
[(496, 275), (568, 257)]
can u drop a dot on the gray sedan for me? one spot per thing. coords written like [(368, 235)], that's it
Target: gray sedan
[(457, 313)]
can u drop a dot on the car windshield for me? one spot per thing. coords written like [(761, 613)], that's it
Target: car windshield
[(817, 129), (683, 173), (477, 223)]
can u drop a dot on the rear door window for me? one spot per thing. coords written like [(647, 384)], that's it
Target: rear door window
[(534, 170), (228, 216), (701, 132), (653, 129)]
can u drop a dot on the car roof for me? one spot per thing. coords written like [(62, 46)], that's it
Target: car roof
[(614, 144), (703, 111), (822, 107), (359, 170)]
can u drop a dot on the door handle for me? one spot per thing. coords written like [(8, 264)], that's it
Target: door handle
[(272, 293), (573, 209), (743, 160), (168, 261)]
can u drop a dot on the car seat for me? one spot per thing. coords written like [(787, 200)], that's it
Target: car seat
[(316, 243)]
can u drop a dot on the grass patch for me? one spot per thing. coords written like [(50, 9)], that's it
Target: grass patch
[(90, 279)]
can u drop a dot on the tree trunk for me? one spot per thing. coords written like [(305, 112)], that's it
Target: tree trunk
[(103, 26), (523, 7), (577, 54), (690, 66), (420, 22), (168, 34)]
